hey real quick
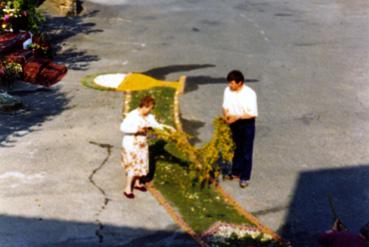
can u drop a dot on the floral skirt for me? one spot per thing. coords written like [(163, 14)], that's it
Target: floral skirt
[(135, 156)]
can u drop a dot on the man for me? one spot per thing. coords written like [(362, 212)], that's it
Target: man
[(337, 238), (240, 111)]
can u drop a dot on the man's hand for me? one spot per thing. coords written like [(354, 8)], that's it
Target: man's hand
[(231, 119), (247, 116)]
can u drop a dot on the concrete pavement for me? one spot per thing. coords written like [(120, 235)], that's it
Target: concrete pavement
[(308, 62)]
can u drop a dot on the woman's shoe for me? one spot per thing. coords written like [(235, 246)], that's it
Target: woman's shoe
[(143, 189), (129, 195)]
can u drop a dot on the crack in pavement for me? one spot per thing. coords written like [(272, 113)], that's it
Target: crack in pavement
[(98, 232)]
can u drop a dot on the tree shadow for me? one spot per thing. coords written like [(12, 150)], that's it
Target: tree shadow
[(60, 29), (75, 59), (39, 106), (310, 212), (33, 231), (42, 104)]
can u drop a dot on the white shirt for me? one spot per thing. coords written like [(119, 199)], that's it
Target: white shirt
[(241, 102), (135, 121)]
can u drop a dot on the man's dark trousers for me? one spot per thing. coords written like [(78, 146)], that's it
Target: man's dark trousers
[(243, 133)]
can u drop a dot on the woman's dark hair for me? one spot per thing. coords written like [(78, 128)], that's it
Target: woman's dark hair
[(235, 75), (147, 101)]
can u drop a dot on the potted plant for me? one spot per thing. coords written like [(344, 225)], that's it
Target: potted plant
[(19, 15), (9, 72)]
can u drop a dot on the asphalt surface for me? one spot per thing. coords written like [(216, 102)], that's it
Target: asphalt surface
[(307, 61)]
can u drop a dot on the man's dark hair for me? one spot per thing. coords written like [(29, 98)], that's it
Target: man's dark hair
[(235, 75), (365, 231)]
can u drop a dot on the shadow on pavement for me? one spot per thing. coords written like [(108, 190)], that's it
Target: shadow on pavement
[(192, 82), (192, 127), (23, 231), (39, 106), (161, 72), (158, 151), (310, 212), (60, 29)]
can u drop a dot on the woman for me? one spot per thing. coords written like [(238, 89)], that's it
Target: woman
[(135, 151)]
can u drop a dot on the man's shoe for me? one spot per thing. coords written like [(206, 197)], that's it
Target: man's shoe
[(244, 184), (227, 177)]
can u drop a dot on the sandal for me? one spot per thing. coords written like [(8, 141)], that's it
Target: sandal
[(141, 188), (129, 195)]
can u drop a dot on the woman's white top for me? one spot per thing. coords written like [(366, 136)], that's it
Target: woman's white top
[(133, 122)]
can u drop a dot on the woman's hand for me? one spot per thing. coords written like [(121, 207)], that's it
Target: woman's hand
[(143, 131)]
